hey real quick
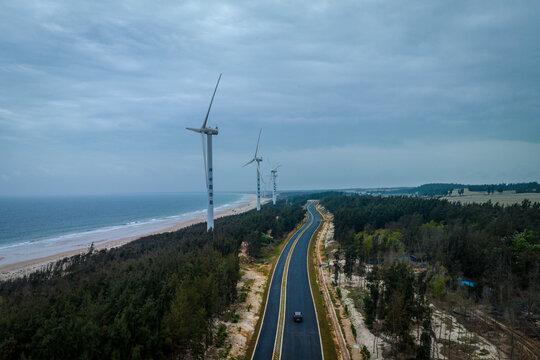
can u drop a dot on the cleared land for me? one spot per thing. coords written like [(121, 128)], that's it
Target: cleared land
[(505, 198)]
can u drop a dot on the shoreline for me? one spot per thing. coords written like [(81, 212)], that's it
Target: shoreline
[(26, 267)]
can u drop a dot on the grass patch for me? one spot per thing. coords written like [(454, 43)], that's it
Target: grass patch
[(221, 336), (234, 317), (269, 252), (273, 250), (266, 240), (353, 329), (457, 350), (328, 344), (357, 296), (244, 291)]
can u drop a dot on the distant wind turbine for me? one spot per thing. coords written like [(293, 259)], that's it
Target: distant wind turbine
[(266, 182), (258, 160), (207, 154), (274, 190)]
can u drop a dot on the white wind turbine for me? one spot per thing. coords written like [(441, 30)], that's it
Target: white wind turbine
[(258, 160), (266, 183), (274, 190), (207, 154)]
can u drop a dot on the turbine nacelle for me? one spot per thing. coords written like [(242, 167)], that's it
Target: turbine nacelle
[(258, 160), (205, 130)]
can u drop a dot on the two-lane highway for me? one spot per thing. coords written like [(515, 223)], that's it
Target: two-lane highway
[(287, 339), (301, 340)]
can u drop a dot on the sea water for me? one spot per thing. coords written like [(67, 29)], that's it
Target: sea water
[(33, 227)]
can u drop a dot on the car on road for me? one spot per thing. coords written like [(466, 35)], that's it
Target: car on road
[(298, 317)]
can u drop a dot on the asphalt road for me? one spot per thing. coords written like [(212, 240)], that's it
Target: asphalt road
[(300, 340)]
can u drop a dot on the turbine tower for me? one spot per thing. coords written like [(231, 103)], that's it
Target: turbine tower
[(207, 155), (258, 160), (274, 191)]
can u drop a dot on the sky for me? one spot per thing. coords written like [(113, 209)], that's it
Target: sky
[(95, 96)]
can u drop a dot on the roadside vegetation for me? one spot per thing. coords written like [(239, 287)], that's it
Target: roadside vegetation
[(327, 336), (156, 297)]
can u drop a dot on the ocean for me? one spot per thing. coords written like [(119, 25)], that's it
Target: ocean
[(33, 227)]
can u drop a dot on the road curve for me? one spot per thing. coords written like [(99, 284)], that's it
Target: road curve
[(300, 340)]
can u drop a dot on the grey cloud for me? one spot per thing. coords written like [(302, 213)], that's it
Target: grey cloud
[(125, 78)]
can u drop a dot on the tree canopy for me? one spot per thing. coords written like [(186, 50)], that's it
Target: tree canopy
[(152, 298)]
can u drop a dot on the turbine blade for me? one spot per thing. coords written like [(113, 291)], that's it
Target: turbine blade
[(196, 130), (204, 156), (211, 101), (246, 164), (257, 148)]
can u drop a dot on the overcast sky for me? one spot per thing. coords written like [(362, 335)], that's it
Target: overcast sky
[(95, 96)]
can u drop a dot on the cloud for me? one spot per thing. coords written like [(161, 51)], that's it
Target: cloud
[(411, 164), (126, 77)]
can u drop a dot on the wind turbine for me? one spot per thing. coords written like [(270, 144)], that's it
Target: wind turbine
[(266, 182), (207, 154), (274, 191), (258, 160)]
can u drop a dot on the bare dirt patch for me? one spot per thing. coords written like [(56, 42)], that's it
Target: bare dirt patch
[(238, 325), (454, 341), (505, 198), (349, 317)]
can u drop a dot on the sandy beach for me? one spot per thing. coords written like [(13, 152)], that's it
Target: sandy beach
[(22, 268)]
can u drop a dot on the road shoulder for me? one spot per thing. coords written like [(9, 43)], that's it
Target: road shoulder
[(327, 329)]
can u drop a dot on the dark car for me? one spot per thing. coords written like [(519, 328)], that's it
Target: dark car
[(298, 317)]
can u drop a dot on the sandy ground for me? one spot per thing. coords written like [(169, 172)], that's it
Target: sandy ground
[(252, 282), (342, 332), (23, 268), (505, 198), (364, 336), (449, 332)]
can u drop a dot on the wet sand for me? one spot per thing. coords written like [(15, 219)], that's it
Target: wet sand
[(22, 268)]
